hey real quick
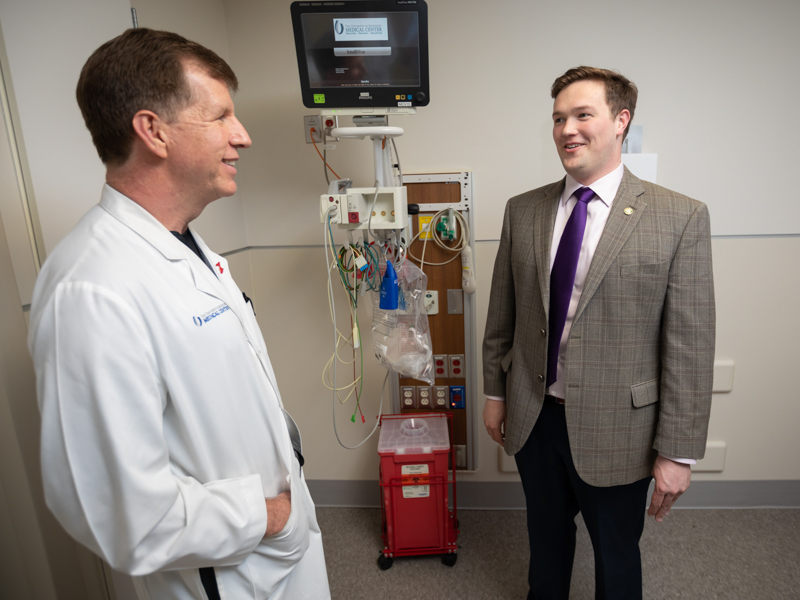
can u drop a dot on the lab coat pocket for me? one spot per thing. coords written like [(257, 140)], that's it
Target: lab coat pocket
[(282, 551), (292, 541)]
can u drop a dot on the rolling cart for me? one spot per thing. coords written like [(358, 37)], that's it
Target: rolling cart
[(415, 487)]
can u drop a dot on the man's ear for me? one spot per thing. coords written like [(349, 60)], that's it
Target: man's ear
[(150, 130), (623, 118)]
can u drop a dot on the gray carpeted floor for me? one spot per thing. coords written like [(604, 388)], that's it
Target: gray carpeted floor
[(693, 554)]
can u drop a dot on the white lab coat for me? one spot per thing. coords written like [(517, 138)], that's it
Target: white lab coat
[(162, 425)]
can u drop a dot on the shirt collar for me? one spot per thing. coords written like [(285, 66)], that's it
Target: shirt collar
[(604, 188)]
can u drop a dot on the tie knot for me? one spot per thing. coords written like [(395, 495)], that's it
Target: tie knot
[(584, 194)]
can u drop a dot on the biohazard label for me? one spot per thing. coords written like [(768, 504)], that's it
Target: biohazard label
[(417, 475)]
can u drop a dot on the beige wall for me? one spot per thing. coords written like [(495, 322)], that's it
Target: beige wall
[(707, 73), (47, 43), (489, 115)]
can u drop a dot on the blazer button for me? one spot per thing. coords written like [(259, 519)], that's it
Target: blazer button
[(540, 377), (543, 332)]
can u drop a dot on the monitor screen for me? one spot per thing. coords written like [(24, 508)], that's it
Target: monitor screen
[(362, 53)]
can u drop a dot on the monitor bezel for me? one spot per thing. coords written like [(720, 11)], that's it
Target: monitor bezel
[(350, 96)]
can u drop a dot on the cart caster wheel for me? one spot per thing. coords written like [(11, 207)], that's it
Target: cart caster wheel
[(449, 559), (385, 562)]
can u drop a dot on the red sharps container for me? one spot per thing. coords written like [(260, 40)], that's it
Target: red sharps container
[(416, 456)]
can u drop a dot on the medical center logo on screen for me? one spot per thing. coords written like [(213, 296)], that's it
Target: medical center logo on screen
[(360, 30)]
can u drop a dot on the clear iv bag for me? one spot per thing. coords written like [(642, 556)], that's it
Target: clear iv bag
[(401, 338)]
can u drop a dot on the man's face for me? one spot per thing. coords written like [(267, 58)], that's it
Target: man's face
[(204, 141), (587, 136)]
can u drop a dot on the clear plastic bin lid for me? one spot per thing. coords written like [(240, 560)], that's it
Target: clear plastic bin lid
[(415, 435)]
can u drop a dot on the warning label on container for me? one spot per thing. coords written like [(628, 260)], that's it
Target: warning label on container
[(417, 476)]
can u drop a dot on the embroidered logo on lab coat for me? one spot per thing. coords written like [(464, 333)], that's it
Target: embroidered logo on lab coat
[(215, 312)]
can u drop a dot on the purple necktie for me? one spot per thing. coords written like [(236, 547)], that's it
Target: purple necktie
[(562, 277)]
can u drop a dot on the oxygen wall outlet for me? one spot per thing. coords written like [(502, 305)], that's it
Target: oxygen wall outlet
[(431, 302)]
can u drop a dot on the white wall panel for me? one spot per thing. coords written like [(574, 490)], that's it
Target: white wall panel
[(47, 43)]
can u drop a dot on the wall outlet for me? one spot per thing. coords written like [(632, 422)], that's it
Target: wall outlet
[(458, 396), (314, 121), (424, 397), (441, 397), (456, 366), (407, 397), (424, 224), (440, 365)]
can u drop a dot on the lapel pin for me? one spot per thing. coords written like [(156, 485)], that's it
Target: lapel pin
[(628, 211)]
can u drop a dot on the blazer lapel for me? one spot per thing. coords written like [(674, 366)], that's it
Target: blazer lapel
[(617, 231), (544, 221)]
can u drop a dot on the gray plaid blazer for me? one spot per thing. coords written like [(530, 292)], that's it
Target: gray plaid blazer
[(640, 356)]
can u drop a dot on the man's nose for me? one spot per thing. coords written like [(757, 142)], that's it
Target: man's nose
[(239, 137), (569, 127)]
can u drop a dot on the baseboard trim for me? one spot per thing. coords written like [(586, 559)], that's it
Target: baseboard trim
[(505, 495)]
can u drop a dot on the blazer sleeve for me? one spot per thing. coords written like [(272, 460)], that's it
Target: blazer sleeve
[(687, 343), (499, 335)]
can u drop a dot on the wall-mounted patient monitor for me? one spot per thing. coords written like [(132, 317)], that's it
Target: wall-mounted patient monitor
[(363, 54)]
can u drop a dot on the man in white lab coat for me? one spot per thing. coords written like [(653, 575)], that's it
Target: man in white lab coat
[(165, 446)]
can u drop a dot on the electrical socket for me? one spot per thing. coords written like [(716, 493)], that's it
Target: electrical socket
[(456, 365), (457, 396), (407, 397), (314, 121), (441, 397), (424, 224), (424, 393), (440, 368)]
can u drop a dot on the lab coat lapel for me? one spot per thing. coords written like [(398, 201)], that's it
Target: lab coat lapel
[(544, 221), (146, 225), (214, 284), (235, 301), (617, 231)]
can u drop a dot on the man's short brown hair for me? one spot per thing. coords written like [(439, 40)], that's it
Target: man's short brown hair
[(141, 69), (621, 92)]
